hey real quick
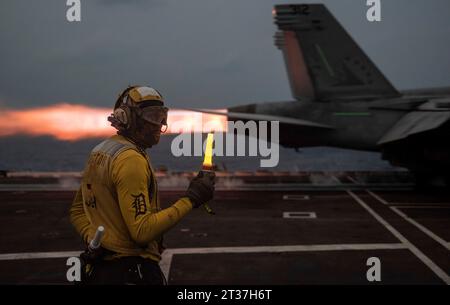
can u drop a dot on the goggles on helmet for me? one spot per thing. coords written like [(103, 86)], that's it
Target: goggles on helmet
[(155, 115)]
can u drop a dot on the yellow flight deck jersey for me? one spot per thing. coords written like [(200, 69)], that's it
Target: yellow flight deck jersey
[(119, 191)]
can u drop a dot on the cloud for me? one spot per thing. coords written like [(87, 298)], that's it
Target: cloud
[(147, 3), (203, 53)]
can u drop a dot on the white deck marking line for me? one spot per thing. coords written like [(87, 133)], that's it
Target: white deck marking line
[(419, 254), (419, 206), (166, 259), (37, 255), (353, 180), (413, 222), (406, 203), (166, 262), (422, 228), (377, 197), (295, 197), (299, 215), (336, 179), (420, 203), (168, 254), (291, 248)]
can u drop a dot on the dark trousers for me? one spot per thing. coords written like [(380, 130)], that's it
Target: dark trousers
[(133, 270)]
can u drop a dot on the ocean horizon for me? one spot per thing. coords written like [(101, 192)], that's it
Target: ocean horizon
[(27, 153)]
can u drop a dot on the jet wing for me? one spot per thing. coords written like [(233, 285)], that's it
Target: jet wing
[(415, 122), (264, 117)]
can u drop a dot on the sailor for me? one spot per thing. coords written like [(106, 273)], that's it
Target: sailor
[(119, 191)]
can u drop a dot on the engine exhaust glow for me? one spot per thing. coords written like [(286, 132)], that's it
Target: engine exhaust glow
[(74, 122)]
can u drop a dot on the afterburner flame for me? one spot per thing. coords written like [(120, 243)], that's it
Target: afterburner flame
[(63, 121), (75, 122), (181, 121)]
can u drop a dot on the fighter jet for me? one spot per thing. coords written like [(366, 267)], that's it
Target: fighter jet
[(343, 100)]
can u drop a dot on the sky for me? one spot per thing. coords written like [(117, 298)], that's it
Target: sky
[(198, 53)]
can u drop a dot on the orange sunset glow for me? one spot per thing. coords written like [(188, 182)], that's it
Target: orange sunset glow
[(74, 122)]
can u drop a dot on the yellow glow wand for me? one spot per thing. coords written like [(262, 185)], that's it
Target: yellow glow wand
[(207, 166), (207, 161)]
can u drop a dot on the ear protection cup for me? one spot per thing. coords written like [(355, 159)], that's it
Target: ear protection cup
[(122, 112), (123, 115)]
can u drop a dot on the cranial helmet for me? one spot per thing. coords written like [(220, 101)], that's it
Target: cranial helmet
[(138, 104)]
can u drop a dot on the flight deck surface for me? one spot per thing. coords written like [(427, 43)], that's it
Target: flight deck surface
[(297, 233)]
